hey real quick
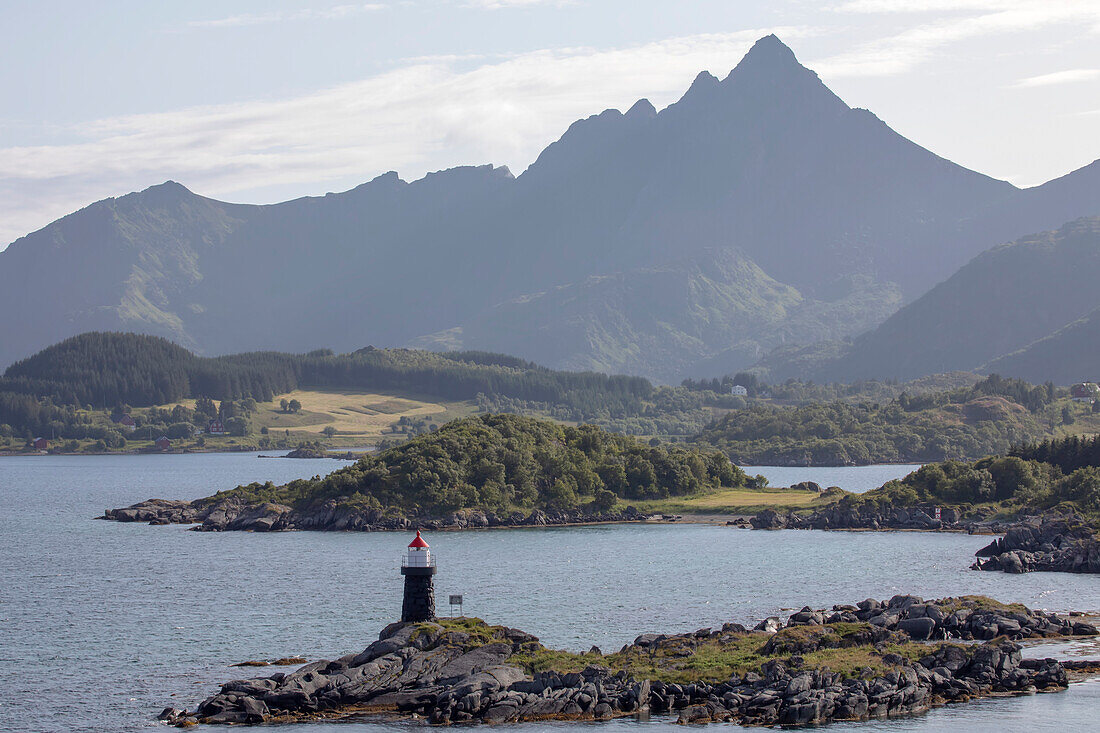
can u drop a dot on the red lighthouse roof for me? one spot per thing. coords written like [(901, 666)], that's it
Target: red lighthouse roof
[(419, 541)]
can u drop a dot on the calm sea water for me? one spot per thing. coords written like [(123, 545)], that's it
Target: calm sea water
[(103, 624), (857, 479)]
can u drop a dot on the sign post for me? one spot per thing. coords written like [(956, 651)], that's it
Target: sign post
[(456, 600)]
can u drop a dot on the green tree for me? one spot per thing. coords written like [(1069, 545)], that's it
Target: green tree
[(603, 501)]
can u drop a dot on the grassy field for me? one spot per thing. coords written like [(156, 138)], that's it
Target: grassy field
[(358, 417), (1085, 421), (738, 501)]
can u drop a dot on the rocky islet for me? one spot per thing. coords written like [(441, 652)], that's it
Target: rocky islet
[(464, 670)]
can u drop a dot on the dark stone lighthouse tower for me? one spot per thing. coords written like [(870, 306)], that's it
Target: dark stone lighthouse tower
[(418, 567)]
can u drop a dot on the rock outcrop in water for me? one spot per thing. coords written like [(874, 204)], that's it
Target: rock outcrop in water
[(1060, 545), (969, 618), (235, 514), (463, 670), (845, 516)]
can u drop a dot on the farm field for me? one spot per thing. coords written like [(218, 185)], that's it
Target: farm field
[(356, 416)]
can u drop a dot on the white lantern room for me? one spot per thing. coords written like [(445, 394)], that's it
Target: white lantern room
[(420, 555)]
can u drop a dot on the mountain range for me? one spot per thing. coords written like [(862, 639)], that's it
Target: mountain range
[(757, 211)]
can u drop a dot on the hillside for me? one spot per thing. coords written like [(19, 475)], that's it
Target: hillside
[(1068, 355), (966, 423), (823, 207), (111, 368), (1001, 302), (669, 320)]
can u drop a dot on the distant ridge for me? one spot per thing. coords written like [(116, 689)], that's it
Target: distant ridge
[(1025, 309), (823, 206)]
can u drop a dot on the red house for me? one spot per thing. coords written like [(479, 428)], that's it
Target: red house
[(216, 427), (41, 444), (162, 443), (127, 423), (1084, 392)]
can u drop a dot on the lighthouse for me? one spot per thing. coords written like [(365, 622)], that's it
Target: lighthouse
[(418, 567)]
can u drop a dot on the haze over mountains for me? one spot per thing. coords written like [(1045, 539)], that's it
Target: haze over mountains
[(1027, 309), (758, 210)]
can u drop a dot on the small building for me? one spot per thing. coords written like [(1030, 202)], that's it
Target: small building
[(1084, 392), (163, 443), (41, 444), (216, 427), (126, 423), (738, 390)]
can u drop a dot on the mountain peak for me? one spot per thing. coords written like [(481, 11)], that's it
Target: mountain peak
[(642, 108), (768, 55), (168, 188)]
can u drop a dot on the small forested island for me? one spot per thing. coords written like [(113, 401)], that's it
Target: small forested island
[(874, 659), (489, 470)]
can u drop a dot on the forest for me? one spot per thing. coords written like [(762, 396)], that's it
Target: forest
[(949, 417), (107, 370), (1059, 474), (502, 463), (985, 418)]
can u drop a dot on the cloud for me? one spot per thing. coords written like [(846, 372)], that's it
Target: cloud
[(335, 12), (914, 46), (420, 117), (1059, 77)]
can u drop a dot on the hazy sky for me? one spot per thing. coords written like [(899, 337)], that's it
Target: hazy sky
[(264, 101)]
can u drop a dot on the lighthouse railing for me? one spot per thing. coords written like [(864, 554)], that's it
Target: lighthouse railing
[(417, 562)]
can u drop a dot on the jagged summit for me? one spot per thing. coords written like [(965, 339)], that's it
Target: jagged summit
[(769, 60), (642, 108), (703, 82), (771, 51)]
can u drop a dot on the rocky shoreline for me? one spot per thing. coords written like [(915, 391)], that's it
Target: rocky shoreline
[(1056, 543), (845, 516), (463, 670), (1063, 546), (235, 514)]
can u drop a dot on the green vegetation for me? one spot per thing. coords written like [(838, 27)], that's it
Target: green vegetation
[(501, 463), (669, 412), (51, 392), (385, 396), (842, 648), (742, 500), (1060, 474), (107, 368), (988, 417)]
